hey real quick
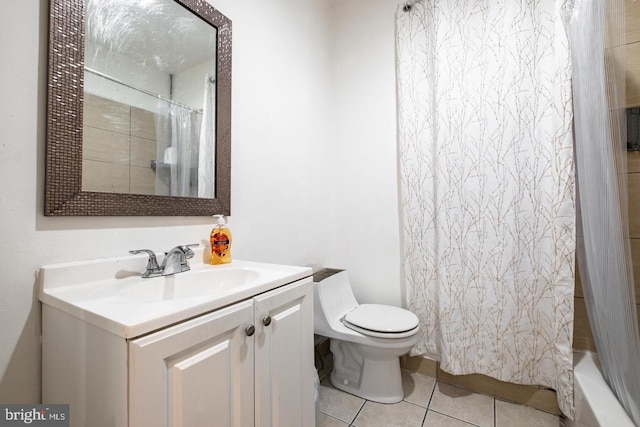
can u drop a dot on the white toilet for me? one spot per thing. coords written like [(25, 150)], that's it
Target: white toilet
[(366, 340)]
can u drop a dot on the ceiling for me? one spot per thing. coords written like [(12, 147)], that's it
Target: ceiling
[(158, 33)]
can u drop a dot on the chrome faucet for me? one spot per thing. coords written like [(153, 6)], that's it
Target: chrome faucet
[(175, 261), (153, 269)]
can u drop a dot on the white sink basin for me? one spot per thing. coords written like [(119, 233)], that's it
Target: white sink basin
[(112, 295), (195, 285)]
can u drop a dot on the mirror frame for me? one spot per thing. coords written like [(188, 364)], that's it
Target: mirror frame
[(65, 100)]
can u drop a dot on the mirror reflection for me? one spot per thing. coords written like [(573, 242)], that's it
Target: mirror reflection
[(149, 99)]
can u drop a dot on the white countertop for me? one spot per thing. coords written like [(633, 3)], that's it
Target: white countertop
[(110, 293)]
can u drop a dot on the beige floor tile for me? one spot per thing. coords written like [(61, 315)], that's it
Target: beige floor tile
[(510, 414), (462, 404), (436, 419), (418, 388), (338, 404), (404, 414), (327, 421)]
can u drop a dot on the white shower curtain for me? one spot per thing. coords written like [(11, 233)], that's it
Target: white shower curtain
[(177, 133), (207, 146), (596, 36), (487, 188)]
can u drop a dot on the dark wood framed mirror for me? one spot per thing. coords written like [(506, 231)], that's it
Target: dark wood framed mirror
[(67, 193)]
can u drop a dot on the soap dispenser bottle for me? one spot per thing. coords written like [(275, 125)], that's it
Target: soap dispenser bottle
[(220, 242)]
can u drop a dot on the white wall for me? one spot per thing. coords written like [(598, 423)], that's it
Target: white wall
[(282, 154), (313, 160), (188, 85), (364, 122)]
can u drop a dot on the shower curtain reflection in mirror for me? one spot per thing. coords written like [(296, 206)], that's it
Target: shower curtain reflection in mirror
[(177, 129), (186, 148), (207, 146)]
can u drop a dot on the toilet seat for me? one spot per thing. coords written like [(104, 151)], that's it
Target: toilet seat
[(382, 321)]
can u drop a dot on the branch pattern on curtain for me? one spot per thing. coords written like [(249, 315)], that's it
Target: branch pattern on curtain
[(487, 188)]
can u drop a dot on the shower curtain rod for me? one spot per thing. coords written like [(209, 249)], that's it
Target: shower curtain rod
[(155, 95)]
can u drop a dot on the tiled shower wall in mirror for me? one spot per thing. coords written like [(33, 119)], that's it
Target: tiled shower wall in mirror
[(119, 145)]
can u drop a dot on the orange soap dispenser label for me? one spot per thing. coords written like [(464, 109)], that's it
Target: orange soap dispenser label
[(220, 243)]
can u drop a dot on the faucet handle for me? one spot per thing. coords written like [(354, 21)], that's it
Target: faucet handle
[(153, 269), (188, 253)]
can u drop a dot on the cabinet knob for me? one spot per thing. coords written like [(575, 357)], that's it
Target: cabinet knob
[(267, 320), (249, 330)]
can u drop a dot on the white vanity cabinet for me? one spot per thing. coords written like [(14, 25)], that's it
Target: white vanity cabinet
[(247, 363), (239, 365), (197, 373)]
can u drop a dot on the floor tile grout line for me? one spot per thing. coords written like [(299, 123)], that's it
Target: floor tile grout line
[(495, 415), (334, 418), (359, 410), (455, 418), (433, 390), (424, 419), (410, 403), (451, 416), (350, 423), (426, 408)]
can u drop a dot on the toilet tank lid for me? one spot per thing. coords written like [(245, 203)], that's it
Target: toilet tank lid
[(382, 318), (325, 273)]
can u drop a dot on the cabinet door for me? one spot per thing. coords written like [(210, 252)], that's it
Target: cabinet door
[(197, 373), (284, 356)]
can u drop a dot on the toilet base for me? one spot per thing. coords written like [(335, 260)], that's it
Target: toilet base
[(372, 373)]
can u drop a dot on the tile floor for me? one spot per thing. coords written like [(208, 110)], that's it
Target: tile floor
[(427, 403)]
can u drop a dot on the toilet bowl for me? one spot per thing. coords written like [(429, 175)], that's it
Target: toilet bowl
[(366, 340)]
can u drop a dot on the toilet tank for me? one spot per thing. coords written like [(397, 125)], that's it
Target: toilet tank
[(333, 298)]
